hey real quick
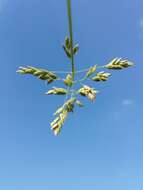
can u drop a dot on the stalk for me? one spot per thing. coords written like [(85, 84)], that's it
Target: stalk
[(71, 36)]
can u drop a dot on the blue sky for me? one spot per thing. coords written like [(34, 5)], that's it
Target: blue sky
[(101, 145)]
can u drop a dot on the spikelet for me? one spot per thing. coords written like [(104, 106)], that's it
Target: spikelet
[(39, 73), (62, 113), (67, 48), (69, 104), (101, 76), (118, 63), (68, 81), (57, 124), (89, 92), (59, 110), (68, 53), (67, 43), (90, 71), (57, 91)]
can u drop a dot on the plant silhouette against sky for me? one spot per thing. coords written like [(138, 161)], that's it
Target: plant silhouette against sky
[(70, 92)]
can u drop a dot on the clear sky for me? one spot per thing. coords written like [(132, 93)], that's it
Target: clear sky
[(101, 145)]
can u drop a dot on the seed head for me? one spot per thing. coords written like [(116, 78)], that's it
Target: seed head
[(118, 63)]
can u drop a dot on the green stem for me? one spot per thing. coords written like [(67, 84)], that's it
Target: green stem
[(71, 36)]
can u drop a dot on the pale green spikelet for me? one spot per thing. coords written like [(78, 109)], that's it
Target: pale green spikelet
[(39, 73), (59, 110), (62, 113), (91, 70), (69, 104), (118, 63), (89, 92), (68, 81), (101, 76), (57, 91), (57, 124)]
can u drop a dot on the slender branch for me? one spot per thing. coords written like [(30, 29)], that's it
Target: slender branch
[(71, 36), (78, 71)]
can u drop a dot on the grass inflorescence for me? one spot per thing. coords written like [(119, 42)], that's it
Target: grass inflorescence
[(70, 92)]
